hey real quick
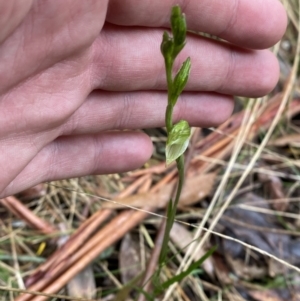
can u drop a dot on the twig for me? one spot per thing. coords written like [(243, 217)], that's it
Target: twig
[(21, 211)]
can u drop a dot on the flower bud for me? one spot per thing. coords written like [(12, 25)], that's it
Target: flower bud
[(181, 78), (167, 46), (178, 26)]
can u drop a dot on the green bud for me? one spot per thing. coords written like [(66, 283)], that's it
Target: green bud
[(177, 49), (178, 26), (181, 78), (178, 141), (167, 46)]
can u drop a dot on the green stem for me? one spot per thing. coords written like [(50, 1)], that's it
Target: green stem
[(171, 212), (169, 66), (169, 111), (180, 167), (169, 121)]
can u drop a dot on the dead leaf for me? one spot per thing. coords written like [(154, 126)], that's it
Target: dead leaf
[(276, 243), (83, 284), (195, 189), (129, 259), (274, 189), (183, 239), (244, 270)]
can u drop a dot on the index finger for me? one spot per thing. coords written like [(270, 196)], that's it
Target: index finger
[(255, 24)]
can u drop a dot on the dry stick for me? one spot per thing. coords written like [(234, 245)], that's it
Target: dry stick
[(152, 264), (221, 154), (217, 153), (20, 291), (191, 149), (75, 241), (263, 121), (220, 149), (146, 186), (154, 257), (122, 224), (219, 144), (158, 169), (64, 257), (63, 267), (246, 245), (235, 123), (224, 129), (164, 181), (134, 186), (266, 114), (21, 211)]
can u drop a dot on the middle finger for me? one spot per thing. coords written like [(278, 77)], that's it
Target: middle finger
[(129, 59)]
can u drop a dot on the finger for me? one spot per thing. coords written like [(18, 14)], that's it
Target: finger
[(11, 14), (69, 157), (254, 24), (130, 59), (16, 153), (137, 110)]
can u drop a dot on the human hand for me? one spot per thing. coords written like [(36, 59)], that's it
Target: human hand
[(73, 71)]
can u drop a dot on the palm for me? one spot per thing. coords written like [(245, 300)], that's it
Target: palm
[(72, 70), (49, 55)]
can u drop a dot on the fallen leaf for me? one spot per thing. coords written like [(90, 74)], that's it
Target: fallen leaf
[(245, 270), (129, 259), (195, 189), (259, 230), (183, 239), (83, 284), (274, 189)]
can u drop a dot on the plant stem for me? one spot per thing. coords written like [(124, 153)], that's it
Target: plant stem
[(169, 116), (180, 167), (179, 133)]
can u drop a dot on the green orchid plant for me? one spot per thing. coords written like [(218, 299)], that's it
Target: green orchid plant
[(178, 133)]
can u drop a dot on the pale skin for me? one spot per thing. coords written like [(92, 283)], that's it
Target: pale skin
[(72, 71)]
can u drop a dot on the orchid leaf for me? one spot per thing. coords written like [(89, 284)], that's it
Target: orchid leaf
[(178, 141)]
